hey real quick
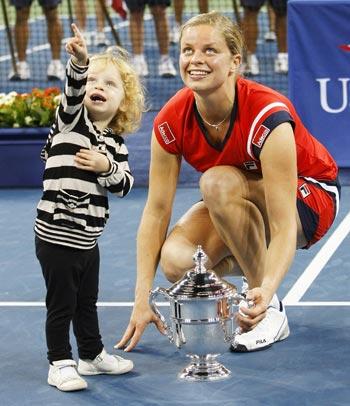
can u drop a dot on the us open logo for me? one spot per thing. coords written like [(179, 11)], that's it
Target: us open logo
[(166, 133)]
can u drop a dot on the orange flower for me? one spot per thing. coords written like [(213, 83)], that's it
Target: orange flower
[(35, 109)]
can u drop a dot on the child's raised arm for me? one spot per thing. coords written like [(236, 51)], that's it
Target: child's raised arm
[(76, 46), (74, 91)]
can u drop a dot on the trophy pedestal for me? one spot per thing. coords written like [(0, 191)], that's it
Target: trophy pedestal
[(202, 319), (204, 368)]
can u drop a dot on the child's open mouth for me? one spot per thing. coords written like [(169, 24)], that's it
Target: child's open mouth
[(95, 97)]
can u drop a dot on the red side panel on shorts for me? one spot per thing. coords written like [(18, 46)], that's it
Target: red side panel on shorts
[(316, 209)]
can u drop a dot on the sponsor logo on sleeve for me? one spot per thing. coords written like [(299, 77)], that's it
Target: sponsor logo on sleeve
[(166, 133), (250, 165), (304, 190), (260, 135)]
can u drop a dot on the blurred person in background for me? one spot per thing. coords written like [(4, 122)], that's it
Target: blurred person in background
[(270, 35), (178, 11), (55, 70), (251, 32), (81, 11), (166, 66)]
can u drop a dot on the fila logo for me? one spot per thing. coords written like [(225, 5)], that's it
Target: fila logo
[(263, 341), (260, 135), (304, 190), (250, 165), (166, 133)]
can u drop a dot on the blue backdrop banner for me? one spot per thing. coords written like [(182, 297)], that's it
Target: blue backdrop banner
[(319, 70)]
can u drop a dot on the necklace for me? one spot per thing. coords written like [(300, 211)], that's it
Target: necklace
[(216, 126)]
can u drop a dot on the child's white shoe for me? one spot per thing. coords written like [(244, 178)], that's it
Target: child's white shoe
[(63, 374), (105, 363)]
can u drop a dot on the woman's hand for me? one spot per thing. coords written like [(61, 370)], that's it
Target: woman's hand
[(248, 317), (91, 160), (76, 47), (141, 316)]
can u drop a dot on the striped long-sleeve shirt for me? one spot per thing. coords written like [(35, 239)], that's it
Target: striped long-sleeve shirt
[(73, 209)]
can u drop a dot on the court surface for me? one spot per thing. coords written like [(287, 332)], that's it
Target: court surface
[(312, 367)]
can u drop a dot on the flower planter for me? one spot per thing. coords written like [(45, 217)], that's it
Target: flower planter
[(20, 162), (21, 165)]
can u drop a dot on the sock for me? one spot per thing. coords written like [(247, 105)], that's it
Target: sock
[(275, 302)]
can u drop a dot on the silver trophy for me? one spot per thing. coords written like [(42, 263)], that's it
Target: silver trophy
[(202, 308)]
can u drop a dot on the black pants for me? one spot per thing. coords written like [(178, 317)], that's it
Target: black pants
[(71, 277)]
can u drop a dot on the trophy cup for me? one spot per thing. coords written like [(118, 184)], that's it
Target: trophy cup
[(202, 308)]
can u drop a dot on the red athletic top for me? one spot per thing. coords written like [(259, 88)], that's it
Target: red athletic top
[(257, 111)]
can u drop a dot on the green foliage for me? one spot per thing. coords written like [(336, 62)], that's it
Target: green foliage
[(35, 109)]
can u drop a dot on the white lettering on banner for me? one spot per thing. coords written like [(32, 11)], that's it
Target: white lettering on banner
[(323, 95)]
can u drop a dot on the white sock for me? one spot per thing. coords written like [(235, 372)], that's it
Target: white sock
[(275, 302), (139, 57)]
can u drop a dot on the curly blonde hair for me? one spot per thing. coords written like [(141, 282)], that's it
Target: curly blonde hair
[(128, 119)]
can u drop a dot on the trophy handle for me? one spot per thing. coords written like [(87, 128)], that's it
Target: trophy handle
[(152, 301), (238, 297), (235, 300)]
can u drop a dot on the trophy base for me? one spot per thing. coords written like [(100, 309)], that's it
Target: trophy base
[(204, 368)]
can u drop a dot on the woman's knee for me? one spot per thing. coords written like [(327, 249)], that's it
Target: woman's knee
[(174, 261), (220, 183)]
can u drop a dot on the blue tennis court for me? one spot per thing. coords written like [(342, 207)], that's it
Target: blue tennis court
[(310, 368)]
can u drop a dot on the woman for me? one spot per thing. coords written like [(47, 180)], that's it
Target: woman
[(268, 186)]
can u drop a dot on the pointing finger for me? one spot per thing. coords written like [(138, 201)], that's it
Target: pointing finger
[(76, 31)]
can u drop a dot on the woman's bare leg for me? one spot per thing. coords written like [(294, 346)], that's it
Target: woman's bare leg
[(193, 229)]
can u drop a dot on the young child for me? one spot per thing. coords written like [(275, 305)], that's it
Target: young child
[(85, 157)]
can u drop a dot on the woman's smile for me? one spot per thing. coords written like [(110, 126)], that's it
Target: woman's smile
[(197, 74)]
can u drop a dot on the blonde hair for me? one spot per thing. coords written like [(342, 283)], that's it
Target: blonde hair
[(128, 119), (229, 30)]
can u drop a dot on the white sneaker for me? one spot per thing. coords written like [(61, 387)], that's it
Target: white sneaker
[(55, 70), (252, 65), (105, 363), (166, 68), (174, 34), (281, 63), (63, 374), (23, 72), (101, 40), (140, 65), (274, 327), (270, 36)]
